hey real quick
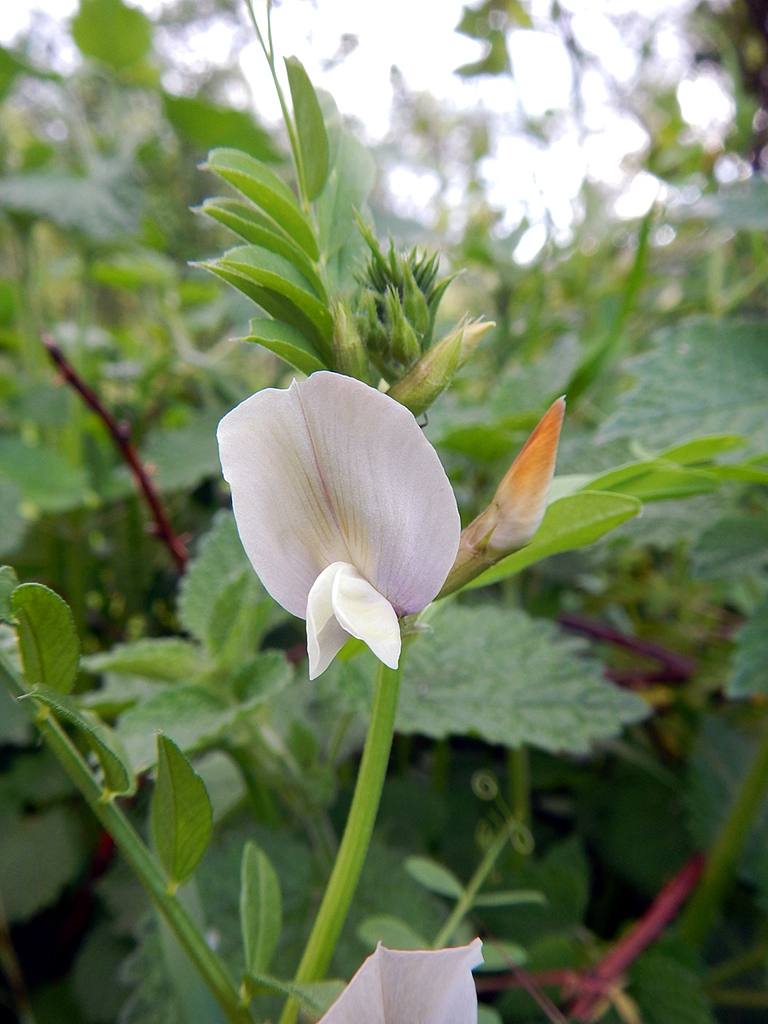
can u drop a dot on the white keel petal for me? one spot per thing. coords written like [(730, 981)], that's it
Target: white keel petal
[(365, 614), (325, 635)]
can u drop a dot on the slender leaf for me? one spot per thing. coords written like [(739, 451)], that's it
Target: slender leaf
[(270, 270), (119, 778), (274, 303), (286, 342), (315, 997), (50, 650), (703, 448), (508, 898), (269, 192), (571, 522), (313, 141), (182, 817), (261, 915), (434, 877), (252, 225)]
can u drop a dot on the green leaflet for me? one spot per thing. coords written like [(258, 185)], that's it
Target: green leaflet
[(570, 522), (261, 915), (274, 302), (182, 818), (285, 341), (434, 876), (509, 679), (313, 141), (252, 225), (270, 270), (656, 480), (119, 779), (269, 192), (50, 649), (391, 932)]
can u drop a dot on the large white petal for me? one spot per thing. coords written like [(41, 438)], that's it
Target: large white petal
[(361, 1002), (331, 470), (412, 986), (325, 635), (430, 986), (364, 613)]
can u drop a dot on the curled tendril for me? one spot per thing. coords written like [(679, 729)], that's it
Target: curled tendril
[(520, 837), (485, 786)]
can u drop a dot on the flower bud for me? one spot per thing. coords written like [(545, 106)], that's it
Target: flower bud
[(518, 506), (430, 375), (414, 303), (521, 497), (473, 332), (404, 344), (348, 350)]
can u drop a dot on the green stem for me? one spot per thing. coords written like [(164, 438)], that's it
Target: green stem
[(466, 902), (519, 770), (518, 763), (210, 967), (723, 859), (356, 839), (269, 53)]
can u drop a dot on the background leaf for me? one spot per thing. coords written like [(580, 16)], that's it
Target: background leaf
[(510, 679), (704, 377)]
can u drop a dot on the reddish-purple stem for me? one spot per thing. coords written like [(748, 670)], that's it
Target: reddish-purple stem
[(675, 668), (590, 987), (122, 436), (649, 927)]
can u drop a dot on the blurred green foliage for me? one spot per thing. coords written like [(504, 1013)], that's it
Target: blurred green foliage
[(654, 327)]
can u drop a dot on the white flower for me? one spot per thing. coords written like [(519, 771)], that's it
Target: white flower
[(343, 508), (396, 986)]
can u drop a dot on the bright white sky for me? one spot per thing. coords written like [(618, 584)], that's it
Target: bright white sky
[(418, 36)]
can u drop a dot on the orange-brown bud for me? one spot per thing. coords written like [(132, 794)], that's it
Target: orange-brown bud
[(518, 506)]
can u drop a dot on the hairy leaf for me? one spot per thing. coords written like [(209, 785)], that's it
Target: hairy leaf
[(510, 679), (705, 377)]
